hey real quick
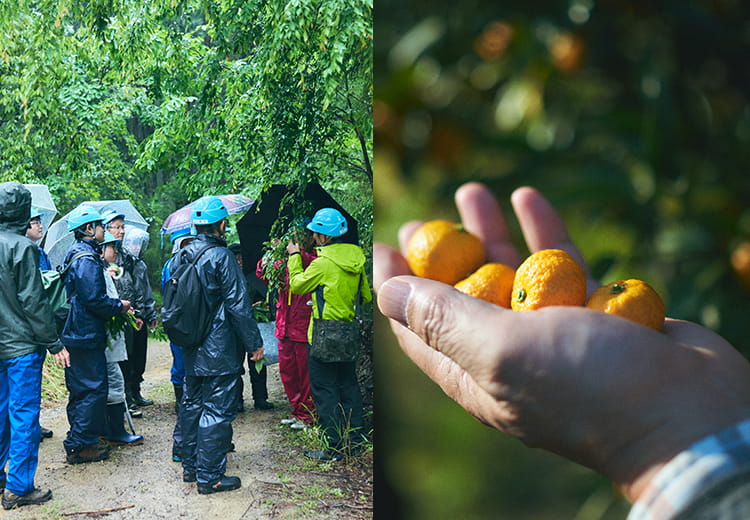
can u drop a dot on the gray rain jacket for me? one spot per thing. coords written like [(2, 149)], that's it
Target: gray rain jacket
[(234, 330), (26, 321)]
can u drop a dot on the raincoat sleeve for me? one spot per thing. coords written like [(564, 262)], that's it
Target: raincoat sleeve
[(237, 305), (33, 301), (93, 293), (301, 280), (364, 288), (143, 287)]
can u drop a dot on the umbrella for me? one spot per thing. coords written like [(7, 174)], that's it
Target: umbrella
[(41, 198), (59, 239), (255, 226), (180, 219)]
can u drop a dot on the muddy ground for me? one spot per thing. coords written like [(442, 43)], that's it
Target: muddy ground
[(142, 482)]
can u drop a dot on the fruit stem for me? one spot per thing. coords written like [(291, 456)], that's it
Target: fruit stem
[(521, 295), (617, 288)]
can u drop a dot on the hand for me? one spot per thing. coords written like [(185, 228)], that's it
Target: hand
[(113, 271), (138, 324), (292, 247), (599, 390), (257, 355), (125, 306), (63, 358), (152, 325)]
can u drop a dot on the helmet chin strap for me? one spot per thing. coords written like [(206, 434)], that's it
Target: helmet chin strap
[(93, 228)]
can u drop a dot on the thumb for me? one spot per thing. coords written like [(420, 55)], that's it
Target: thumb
[(459, 326)]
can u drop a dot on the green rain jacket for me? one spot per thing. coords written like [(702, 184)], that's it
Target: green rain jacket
[(26, 321), (339, 268)]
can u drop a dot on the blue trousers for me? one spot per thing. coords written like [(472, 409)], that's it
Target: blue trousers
[(20, 400), (86, 380), (178, 365), (208, 409)]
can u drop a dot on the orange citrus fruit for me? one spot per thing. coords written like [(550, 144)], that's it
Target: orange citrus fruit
[(492, 283), (631, 299), (741, 263), (548, 277), (444, 251)]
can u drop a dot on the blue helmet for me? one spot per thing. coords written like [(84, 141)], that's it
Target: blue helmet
[(179, 234), (109, 238), (36, 213), (108, 215), (328, 221), (208, 210), (82, 215)]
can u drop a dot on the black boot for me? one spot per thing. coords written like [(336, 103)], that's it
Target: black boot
[(138, 398), (116, 433), (178, 391)]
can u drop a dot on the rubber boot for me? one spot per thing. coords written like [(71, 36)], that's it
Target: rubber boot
[(138, 398), (178, 390), (116, 433)]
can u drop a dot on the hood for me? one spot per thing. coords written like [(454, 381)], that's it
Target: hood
[(135, 241), (348, 257), (15, 207)]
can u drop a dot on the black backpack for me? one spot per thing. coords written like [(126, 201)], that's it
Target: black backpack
[(185, 312)]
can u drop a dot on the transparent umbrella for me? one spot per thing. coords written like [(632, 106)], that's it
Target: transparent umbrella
[(41, 198), (59, 239)]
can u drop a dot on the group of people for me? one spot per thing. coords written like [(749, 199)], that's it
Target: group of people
[(105, 280)]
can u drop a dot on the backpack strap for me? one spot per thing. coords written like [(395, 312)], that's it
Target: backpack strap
[(75, 257), (197, 255)]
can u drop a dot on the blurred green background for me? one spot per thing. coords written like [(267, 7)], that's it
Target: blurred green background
[(633, 119)]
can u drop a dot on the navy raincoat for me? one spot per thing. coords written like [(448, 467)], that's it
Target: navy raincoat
[(89, 304)]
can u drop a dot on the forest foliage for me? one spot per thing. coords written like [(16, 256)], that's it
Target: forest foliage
[(163, 102)]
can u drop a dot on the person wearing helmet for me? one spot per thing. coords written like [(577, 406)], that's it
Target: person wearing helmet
[(339, 271), (134, 286), (27, 329), (85, 337), (212, 369), (114, 354), (179, 240), (35, 232)]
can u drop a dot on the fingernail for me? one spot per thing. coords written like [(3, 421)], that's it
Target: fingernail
[(392, 299)]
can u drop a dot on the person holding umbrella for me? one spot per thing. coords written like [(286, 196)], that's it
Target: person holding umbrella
[(212, 368), (35, 232), (115, 353), (132, 287), (335, 278), (84, 335)]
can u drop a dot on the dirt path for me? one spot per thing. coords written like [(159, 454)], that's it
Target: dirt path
[(277, 481)]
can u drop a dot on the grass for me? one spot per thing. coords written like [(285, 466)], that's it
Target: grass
[(53, 381)]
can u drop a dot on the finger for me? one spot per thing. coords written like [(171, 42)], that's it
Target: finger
[(542, 226), (481, 216), (387, 263), (405, 232)]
